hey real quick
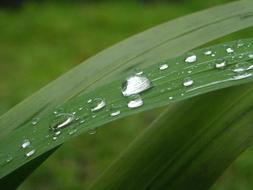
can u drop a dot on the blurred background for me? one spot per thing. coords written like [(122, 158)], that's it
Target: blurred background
[(40, 40)]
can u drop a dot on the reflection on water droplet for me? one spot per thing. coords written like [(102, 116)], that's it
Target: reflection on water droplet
[(113, 114), (191, 59), (229, 50), (57, 133), (97, 104), (138, 102), (251, 56), (220, 63), (30, 153), (135, 84), (188, 82), (170, 97), (89, 101), (26, 143), (163, 66)]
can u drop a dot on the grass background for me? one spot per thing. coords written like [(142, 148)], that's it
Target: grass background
[(40, 42)]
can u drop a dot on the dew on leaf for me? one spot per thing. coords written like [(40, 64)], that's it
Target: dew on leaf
[(163, 66), (191, 59), (188, 82), (26, 143), (220, 63), (97, 104), (229, 50), (30, 153), (135, 103)]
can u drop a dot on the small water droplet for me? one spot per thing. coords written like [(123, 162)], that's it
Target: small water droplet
[(35, 121), (251, 56), (138, 102), (229, 50), (97, 104), (135, 84), (89, 101), (240, 43), (82, 121), (30, 153), (115, 113), (163, 66), (242, 76), (92, 131), (8, 159), (62, 121), (26, 143), (220, 63), (170, 97), (72, 132), (213, 55), (55, 138), (188, 82), (191, 59), (208, 52), (57, 133)]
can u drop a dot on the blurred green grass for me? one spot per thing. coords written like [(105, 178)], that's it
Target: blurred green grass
[(42, 41)]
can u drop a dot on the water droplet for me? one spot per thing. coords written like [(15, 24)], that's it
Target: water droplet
[(229, 50), (251, 56), (62, 121), (82, 121), (92, 131), (115, 113), (240, 43), (30, 153), (8, 159), (170, 97), (26, 143), (97, 104), (208, 52), (135, 84), (163, 66), (213, 55), (89, 101), (188, 82), (72, 132), (243, 76), (138, 102), (35, 121), (55, 138), (57, 133), (191, 59), (220, 63)]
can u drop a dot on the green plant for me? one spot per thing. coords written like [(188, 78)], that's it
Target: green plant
[(35, 120)]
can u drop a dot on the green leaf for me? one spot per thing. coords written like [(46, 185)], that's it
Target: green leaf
[(148, 48), (227, 65), (189, 146)]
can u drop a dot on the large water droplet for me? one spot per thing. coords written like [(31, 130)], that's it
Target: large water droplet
[(62, 121), (30, 153), (220, 63), (138, 102), (26, 143), (191, 59), (135, 84), (97, 104), (188, 82)]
